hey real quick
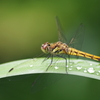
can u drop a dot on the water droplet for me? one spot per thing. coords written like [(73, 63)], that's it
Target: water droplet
[(56, 67), (70, 68), (90, 64), (79, 67), (97, 73), (91, 70), (31, 65), (67, 66), (85, 70)]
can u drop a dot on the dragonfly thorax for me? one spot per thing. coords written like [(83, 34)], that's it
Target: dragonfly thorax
[(54, 48)]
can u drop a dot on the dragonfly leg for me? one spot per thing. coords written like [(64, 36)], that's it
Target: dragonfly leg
[(46, 58), (50, 62), (65, 61)]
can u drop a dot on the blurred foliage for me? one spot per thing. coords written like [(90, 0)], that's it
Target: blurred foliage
[(26, 24)]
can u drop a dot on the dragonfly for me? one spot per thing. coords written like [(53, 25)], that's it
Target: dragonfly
[(63, 48)]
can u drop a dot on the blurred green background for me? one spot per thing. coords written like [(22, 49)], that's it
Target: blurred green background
[(26, 24)]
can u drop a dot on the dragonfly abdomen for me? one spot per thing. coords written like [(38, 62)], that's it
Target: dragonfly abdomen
[(75, 52)]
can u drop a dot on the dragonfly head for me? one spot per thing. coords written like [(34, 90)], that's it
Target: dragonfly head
[(45, 47)]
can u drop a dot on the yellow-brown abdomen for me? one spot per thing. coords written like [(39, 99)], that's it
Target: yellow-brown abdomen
[(72, 51)]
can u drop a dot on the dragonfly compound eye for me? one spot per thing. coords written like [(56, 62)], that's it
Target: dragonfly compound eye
[(44, 47)]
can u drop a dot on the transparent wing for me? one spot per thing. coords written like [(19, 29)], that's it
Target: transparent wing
[(77, 40), (45, 80), (61, 36)]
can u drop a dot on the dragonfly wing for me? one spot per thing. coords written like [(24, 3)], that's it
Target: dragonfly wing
[(77, 40), (61, 36), (45, 80)]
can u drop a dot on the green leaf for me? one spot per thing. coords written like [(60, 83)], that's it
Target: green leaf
[(80, 67)]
